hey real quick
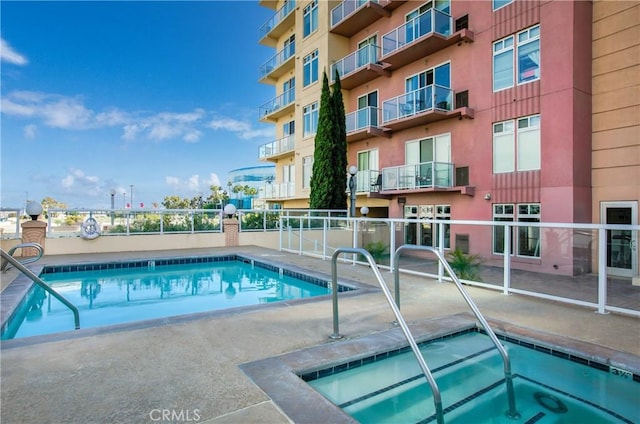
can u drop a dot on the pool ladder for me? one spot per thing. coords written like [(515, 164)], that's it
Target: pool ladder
[(512, 412), (6, 264), (33, 277)]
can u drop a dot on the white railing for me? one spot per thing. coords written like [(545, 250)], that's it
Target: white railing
[(420, 175), (277, 17), (278, 59), (429, 98), (354, 61), (570, 263), (346, 8), (278, 102), (279, 191), (429, 22), (282, 145), (361, 119)]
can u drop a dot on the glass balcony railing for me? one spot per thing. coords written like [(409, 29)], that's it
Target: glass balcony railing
[(278, 17), (279, 191), (356, 60), (429, 22), (362, 119), (277, 60), (282, 145), (431, 97), (285, 99), (421, 175), (346, 8), (368, 181)]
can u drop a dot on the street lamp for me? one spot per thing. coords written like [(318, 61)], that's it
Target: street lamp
[(131, 200), (353, 170), (113, 197), (124, 200)]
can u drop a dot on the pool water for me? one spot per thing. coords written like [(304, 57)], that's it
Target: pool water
[(114, 296), (469, 371)]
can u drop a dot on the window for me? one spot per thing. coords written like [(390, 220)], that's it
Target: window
[(367, 114), (310, 69), (367, 51), (443, 213), (421, 91), (528, 238), (367, 170), (497, 4), (431, 157), (310, 18), (527, 65), (307, 168), (310, 119), (523, 144), (289, 128)]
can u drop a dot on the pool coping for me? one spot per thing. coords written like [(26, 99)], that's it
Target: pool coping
[(279, 377), (16, 293)]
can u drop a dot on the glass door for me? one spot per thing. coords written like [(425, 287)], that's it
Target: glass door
[(622, 245)]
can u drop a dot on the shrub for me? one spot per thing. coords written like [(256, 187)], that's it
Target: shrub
[(377, 249), (466, 267)]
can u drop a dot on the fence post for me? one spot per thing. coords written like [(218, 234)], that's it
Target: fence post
[(602, 270), (441, 249), (506, 278)]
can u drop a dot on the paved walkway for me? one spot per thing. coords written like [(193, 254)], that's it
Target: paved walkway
[(192, 366)]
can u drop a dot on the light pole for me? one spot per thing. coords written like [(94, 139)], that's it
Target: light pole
[(353, 170), (131, 199), (113, 197), (124, 200)]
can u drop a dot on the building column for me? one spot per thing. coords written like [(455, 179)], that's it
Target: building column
[(33, 232), (231, 230)]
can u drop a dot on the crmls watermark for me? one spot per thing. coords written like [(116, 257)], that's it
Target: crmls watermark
[(175, 415)]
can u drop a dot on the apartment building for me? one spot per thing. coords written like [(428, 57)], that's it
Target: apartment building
[(456, 110)]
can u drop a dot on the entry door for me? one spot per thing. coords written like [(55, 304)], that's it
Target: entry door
[(622, 245)]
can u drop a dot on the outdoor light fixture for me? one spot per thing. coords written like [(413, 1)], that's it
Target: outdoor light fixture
[(230, 210), (34, 209), (113, 205), (364, 211), (353, 170), (487, 196)]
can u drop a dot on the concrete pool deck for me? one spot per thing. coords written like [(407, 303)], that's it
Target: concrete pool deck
[(191, 368)]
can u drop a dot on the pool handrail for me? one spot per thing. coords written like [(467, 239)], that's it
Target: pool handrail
[(38, 247), (33, 277), (437, 399), (512, 412)]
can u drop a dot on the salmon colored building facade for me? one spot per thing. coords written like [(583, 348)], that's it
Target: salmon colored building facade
[(461, 110)]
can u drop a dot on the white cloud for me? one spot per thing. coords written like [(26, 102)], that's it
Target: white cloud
[(242, 129), (8, 54), (30, 131), (212, 180), (78, 182)]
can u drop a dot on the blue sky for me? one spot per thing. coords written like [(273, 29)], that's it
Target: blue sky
[(102, 95)]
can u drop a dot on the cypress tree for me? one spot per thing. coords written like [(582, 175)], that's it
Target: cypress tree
[(328, 180)]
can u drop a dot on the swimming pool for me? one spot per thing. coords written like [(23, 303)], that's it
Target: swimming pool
[(122, 292), (376, 379)]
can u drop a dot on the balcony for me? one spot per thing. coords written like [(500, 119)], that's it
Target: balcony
[(364, 123), (425, 175), (278, 24), (368, 181), (278, 106), (359, 67), (352, 16), (420, 37), (281, 63), (274, 191), (422, 106), (277, 148)]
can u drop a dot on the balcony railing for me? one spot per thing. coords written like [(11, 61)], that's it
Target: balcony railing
[(362, 57), (277, 60), (429, 98), (367, 181), (277, 103), (278, 17), (346, 8), (368, 117), (421, 175), (277, 147), (279, 191), (432, 21)]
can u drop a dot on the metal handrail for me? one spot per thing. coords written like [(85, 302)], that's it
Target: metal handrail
[(45, 286), (437, 399), (512, 412), (38, 247)]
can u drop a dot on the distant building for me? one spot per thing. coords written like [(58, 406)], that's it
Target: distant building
[(255, 177)]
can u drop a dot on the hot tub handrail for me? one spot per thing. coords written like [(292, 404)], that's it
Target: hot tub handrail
[(5, 266), (45, 286), (437, 399), (512, 412)]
